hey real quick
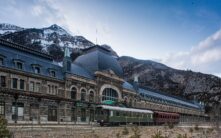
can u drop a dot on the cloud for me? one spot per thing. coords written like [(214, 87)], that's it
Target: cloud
[(205, 57)]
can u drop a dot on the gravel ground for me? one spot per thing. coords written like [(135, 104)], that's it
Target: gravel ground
[(113, 132)]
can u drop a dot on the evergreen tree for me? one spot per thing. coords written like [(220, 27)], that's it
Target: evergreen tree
[(4, 132)]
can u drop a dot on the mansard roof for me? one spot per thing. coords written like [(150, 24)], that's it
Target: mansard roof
[(12, 54), (99, 59), (151, 94), (25, 49), (80, 71)]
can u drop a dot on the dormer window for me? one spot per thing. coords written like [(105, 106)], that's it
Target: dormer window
[(52, 72), (19, 64), (2, 59), (36, 68)]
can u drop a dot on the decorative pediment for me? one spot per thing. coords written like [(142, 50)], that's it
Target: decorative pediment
[(108, 74), (36, 65), (18, 60)]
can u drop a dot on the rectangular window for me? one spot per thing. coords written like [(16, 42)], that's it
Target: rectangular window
[(52, 113), (37, 70), (52, 74), (56, 90), (19, 111), (14, 83), (37, 88), (22, 84), (31, 86), (49, 89), (3, 81), (19, 65), (2, 108), (52, 89)]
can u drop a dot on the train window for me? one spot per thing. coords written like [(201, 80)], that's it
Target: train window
[(111, 113), (117, 113), (124, 114)]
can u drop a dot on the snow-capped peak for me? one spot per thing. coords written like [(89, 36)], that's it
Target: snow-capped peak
[(55, 28), (6, 28)]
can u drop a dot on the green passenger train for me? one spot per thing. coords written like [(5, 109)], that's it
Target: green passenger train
[(112, 115)]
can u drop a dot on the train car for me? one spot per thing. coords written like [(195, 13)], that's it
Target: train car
[(112, 115), (165, 117)]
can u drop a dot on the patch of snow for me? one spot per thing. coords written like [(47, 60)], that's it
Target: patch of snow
[(7, 31), (45, 42)]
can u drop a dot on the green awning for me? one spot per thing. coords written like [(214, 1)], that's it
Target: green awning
[(109, 102)]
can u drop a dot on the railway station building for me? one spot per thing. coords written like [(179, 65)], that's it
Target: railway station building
[(36, 89)]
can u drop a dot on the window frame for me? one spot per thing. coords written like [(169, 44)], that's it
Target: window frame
[(2, 108), (22, 87), (1, 61), (14, 83), (3, 83), (37, 70), (32, 89)]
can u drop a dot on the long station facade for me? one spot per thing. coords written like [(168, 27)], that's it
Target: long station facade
[(34, 88)]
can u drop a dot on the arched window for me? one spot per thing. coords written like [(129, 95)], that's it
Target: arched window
[(109, 94), (91, 96), (130, 102), (83, 95), (74, 93)]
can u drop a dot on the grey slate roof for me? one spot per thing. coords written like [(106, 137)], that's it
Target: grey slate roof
[(127, 85), (147, 93), (97, 59), (29, 59), (80, 71)]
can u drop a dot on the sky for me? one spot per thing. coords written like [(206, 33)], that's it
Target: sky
[(183, 34)]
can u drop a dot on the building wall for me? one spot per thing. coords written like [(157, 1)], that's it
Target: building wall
[(48, 99)]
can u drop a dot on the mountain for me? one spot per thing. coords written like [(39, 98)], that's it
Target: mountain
[(50, 39), (157, 76), (9, 28), (53, 34)]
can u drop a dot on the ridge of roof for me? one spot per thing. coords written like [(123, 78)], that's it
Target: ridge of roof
[(25, 48)]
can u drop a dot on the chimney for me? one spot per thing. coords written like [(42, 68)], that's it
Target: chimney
[(66, 60), (136, 82)]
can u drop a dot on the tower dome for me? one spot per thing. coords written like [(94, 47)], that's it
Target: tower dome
[(97, 58)]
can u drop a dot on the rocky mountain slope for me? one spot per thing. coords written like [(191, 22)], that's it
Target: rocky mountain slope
[(50, 39), (157, 76)]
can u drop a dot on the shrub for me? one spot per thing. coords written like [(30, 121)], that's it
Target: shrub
[(125, 131), (210, 130), (181, 136), (170, 125), (196, 127), (157, 135), (4, 132), (136, 132), (118, 135), (191, 130)]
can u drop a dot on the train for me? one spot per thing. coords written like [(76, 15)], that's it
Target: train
[(112, 115)]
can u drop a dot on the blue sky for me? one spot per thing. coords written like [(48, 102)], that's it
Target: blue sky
[(184, 34)]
